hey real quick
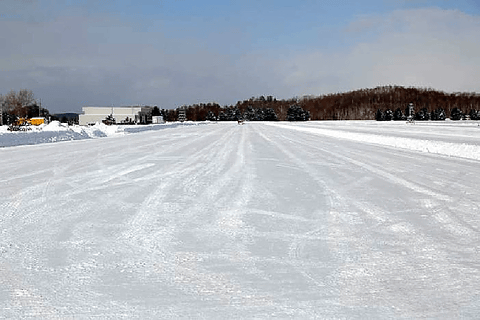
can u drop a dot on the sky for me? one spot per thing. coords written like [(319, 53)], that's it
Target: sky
[(176, 52)]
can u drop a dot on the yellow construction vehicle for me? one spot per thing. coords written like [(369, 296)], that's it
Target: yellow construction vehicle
[(36, 121), (22, 124)]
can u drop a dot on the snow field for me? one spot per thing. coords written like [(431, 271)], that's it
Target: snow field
[(242, 221)]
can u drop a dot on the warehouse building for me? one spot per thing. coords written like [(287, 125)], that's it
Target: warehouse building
[(92, 115)]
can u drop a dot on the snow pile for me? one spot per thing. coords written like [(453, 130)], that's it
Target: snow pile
[(56, 131), (462, 150)]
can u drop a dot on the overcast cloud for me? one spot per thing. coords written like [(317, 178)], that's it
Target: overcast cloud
[(73, 58)]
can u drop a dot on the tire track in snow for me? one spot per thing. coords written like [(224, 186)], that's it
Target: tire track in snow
[(467, 151), (416, 259), (108, 170), (185, 270), (380, 172), (149, 235), (228, 195), (35, 211), (147, 213), (449, 222), (298, 243)]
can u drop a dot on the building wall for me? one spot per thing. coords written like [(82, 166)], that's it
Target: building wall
[(157, 119), (97, 114)]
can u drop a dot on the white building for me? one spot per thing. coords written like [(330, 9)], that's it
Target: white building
[(97, 114), (157, 119)]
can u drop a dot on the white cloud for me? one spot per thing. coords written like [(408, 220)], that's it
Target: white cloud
[(425, 47)]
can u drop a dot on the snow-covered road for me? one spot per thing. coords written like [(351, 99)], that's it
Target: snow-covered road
[(241, 221)]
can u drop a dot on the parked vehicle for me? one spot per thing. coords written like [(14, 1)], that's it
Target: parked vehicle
[(22, 124)]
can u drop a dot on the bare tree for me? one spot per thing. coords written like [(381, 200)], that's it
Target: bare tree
[(18, 103), (26, 97), (10, 101)]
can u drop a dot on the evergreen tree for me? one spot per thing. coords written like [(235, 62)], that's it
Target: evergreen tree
[(474, 114), (296, 113), (388, 115), (270, 114), (235, 114), (156, 112), (259, 114), (222, 116), (398, 115), (438, 114), (249, 114), (211, 116), (456, 114), (230, 114), (380, 115), (422, 115)]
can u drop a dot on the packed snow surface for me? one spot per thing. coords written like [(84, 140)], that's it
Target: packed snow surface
[(316, 220)]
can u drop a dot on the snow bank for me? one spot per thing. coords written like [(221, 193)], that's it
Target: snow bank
[(56, 131), (459, 149)]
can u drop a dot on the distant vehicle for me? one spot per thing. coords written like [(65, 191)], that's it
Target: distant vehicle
[(22, 124), (109, 120), (36, 121)]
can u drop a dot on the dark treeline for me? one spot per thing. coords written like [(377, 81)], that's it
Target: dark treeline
[(253, 109), (366, 104), (354, 105), (363, 104)]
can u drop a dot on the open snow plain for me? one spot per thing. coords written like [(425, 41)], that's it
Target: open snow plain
[(326, 220)]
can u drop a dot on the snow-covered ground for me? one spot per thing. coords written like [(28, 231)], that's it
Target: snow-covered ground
[(308, 220)]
